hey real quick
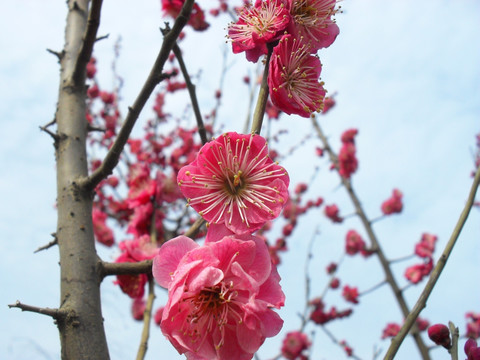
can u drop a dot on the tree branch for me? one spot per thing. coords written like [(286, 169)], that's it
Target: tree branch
[(191, 91), (124, 268), (88, 40), (375, 244), (259, 112), (147, 318), (54, 313), (155, 76), (437, 270)]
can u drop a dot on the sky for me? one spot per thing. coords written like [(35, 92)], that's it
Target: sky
[(406, 75)]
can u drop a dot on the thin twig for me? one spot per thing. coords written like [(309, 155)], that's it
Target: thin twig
[(375, 244), (155, 76), (195, 228), (308, 279), (191, 91), (147, 317), (454, 332), (335, 341), (373, 288), (49, 245), (54, 313), (88, 40), (422, 300)]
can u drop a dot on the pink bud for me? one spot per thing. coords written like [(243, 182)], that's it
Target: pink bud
[(440, 335)]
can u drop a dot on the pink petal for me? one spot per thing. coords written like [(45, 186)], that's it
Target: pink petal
[(168, 258)]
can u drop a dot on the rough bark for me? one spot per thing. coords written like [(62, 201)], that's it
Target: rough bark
[(81, 329)]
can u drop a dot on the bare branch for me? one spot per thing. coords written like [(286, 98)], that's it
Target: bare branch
[(54, 313), (375, 244), (191, 91), (437, 270), (147, 318), (124, 268), (88, 40), (155, 76), (259, 112), (195, 228), (49, 245)]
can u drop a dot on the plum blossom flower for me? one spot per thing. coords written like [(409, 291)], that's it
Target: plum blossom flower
[(293, 78), (256, 26), (233, 181), (294, 344), (333, 213), (197, 17), (393, 205), (426, 246), (354, 243), (350, 294), (472, 350), (312, 19), (391, 330), (220, 296), (473, 325), (103, 233), (416, 273)]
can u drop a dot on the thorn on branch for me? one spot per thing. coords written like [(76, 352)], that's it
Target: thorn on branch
[(103, 37), (59, 55), (93, 128), (51, 133), (49, 245), (54, 313)]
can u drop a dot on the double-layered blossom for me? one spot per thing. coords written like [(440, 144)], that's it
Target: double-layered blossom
[(234, 182), (294, 344), (220, 296), (312, 19), (256, 26), (293, 78)]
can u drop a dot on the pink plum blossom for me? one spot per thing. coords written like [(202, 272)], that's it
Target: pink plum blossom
[(256, 26), (293, 78), (234, 181), (393, 205), (312, 19), (220, 296), (294, 344)]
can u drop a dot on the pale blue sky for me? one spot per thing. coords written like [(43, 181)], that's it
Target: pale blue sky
[(407, 75)]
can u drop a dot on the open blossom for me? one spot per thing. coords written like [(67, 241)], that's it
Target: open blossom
[(294, 344), (312, 19), (426, 246), (293, 78), (220, 296), (391, 330), (350, 294), (354, 243), (333, 213), (393, 205), (473, 325), (256, 26), (416, 273), (233, 181), (197, 17), (347, 160)]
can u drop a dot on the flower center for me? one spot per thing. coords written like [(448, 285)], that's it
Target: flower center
[(236, 184)]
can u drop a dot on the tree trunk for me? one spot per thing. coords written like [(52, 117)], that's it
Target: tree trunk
[(81, 329)]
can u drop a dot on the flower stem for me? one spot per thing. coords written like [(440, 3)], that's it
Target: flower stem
[(262, 96)]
